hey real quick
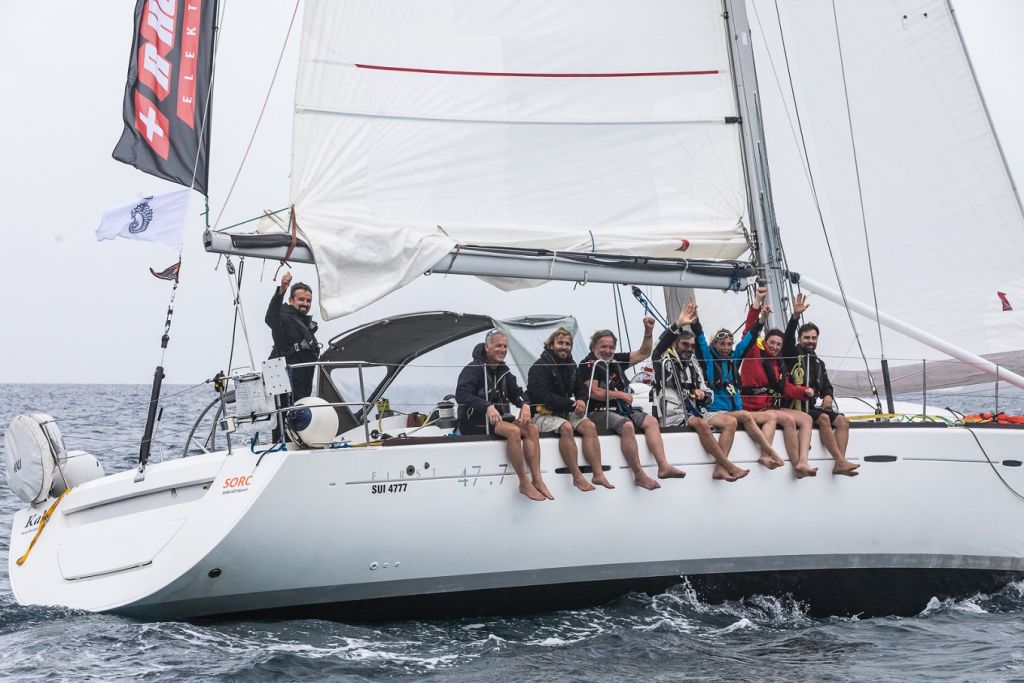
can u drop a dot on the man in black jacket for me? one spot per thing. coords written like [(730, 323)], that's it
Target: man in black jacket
[(556, 396), (806, 369), (486, 391), (294, 333), (603, 374)]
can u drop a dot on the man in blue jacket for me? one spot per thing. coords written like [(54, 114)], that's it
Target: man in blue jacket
[(721, 361)]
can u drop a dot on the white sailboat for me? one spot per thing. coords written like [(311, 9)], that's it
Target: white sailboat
[(582, 141)]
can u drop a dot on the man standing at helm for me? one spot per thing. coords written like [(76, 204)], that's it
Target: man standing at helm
[(294, 333)]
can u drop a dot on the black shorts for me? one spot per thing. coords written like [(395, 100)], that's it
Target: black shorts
[(816, 412)]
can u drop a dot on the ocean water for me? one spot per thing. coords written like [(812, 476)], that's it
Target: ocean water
[(672, 636)]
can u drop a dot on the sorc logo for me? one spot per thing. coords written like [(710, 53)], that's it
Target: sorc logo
[(142, 215), (237, 482)]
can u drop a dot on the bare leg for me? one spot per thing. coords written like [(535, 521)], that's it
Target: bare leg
[(727, 434), (655, 444), (531, 451), (723, 468), (804, 424), (632, 456), (761, 435), (842, 433), (829, 439), (514, 452), (567, 448), (592, 452)]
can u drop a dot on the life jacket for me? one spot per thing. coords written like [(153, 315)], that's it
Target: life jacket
[(995, 418)]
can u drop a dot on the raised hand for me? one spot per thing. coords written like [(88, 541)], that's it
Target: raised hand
[(766, 311), (688, 314), (800, 305), (759, 296), (648, 324), (286, 280)]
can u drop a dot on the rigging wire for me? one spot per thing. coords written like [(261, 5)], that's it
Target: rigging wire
[(259, 119), (860, 189), (122, 408), (236, 294), (618, 316), (817, 203), (622, 307)]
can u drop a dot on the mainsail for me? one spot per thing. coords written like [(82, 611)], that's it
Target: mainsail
[(559, 125)]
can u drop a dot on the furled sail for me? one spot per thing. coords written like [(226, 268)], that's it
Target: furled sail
[(942, 216), (598, 126)]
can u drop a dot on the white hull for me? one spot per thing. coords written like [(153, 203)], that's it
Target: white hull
[(307, 529)]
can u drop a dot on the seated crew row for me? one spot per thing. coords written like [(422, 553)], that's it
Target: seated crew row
[(567, 400)]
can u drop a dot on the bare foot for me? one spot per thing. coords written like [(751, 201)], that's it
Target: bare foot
[(543, 488), (779, 462), (768, 462), (846, 468), (527, 489), (721, 473), (805, 470), (738, 473), (669, 472), (645, 482), (581, 483), (601, 480)]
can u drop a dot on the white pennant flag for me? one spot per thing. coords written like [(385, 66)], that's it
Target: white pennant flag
[(159, 219)]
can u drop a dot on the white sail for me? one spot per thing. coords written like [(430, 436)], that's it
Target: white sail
[(943, 219), (558, 125)]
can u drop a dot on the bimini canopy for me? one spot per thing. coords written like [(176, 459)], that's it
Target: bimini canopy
[(396, 342)]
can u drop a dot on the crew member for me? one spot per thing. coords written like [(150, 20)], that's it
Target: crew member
[(486, 391), (294, 333), (766, 385), (720, 361), (603, 373), (687, 395), (809, 371), (557, 398)]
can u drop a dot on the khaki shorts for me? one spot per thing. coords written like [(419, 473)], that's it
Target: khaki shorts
[(616, 422), (553, 423)]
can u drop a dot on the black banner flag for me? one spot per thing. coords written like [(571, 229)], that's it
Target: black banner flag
[(166, 113)]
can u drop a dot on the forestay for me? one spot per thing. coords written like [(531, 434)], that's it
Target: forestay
[(554, 124)]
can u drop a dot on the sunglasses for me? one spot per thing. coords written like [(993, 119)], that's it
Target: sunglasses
[(723, 335)]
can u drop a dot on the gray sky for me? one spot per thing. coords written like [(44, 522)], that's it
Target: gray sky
[(82, 311)]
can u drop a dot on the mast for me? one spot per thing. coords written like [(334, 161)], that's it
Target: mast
[(768, 245)]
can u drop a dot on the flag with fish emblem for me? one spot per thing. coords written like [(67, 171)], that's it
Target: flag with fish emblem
[(159, 219)]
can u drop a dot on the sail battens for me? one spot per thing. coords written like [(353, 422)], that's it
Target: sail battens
[(538, 74), (720, 121)]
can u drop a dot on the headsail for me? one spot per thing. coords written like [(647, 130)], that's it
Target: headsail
[(557, 125), (943, 218)]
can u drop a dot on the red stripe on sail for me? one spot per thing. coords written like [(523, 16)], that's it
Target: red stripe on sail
[(523, 74)]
